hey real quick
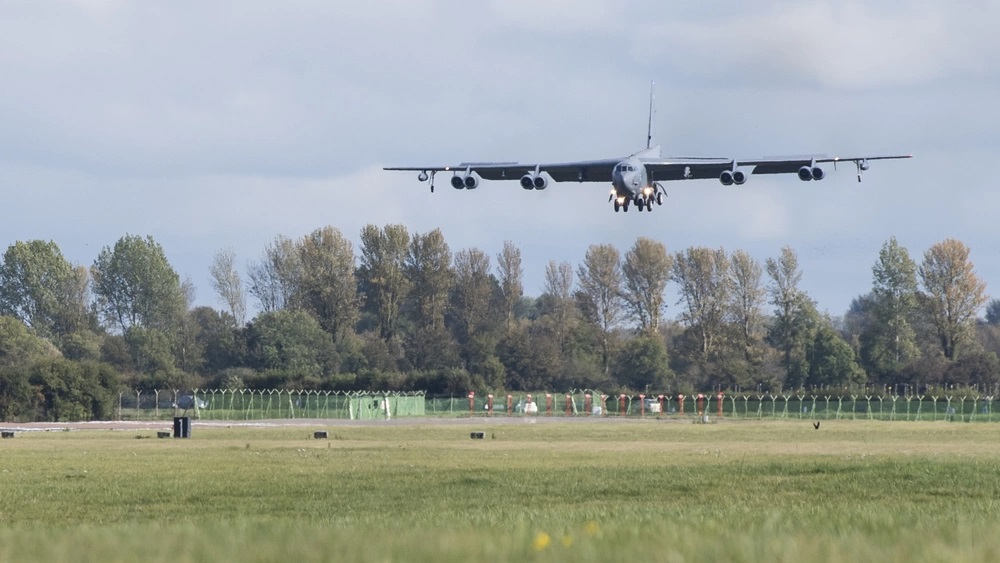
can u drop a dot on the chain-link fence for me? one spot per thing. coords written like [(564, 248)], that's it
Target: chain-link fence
[(257, 404), (247, 404)]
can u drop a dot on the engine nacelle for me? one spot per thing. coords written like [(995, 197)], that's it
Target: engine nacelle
[(805, 173), (540, 182), (527, 182), (726, 177), (817, 173), (458, 182), (740, 176), (471, 181)]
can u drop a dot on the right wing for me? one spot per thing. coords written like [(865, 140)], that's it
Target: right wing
[(583, 171)]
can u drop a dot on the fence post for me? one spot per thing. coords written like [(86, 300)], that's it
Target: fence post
[(568, 404)]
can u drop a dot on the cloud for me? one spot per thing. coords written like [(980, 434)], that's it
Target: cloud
[(844, 45)]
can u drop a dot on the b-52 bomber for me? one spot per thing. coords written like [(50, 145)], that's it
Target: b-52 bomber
[(638, 179)]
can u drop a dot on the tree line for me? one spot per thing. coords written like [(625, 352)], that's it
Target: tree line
[(404, 311)]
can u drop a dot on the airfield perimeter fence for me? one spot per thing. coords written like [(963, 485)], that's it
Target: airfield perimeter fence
[(256, 404)]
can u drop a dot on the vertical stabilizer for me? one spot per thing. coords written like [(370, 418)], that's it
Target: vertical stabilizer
[(649, 126)]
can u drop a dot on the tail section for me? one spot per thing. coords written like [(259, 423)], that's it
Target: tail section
[(649, 127)]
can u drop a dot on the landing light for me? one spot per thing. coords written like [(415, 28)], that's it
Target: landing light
[(647, 190), (621, 200)]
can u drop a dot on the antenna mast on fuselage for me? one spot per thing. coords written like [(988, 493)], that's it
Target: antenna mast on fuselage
[(649, 127)]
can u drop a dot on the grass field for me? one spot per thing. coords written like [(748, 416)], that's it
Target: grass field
[(575, 491)]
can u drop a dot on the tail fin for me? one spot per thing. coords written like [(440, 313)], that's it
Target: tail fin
[(649, 127)]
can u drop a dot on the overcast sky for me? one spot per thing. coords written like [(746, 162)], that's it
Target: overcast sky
[(223, 124)]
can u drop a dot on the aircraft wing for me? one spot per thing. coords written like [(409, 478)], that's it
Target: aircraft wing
[(583, 171), (682, 168)]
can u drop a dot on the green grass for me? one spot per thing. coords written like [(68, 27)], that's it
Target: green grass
[(636, 490)]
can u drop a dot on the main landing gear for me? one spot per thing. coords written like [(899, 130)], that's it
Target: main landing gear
[(642, 201)]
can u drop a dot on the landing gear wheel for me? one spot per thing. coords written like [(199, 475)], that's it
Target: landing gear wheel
[(641, 204), (659, 198), (618, 207), (625, 207)]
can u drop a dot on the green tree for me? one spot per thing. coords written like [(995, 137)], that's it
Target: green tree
[(993, 312), (746, 302), (889, 343), (216, 342), (601, 290), (428, 267), (954, 292), (511, 279), (794, 312), (19, 347), (646, 271), (326, 286), (288, 340), (136, 286), (67, 390), (383, 274), (831, 360), (42, 289), (643, 364), (703, 277), (274, 279), (473, 308), (228, 284), (530, 358)]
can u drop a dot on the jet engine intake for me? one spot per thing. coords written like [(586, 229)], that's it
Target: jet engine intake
[(540, 182), (458, 182), (471, 181), (805, 173), (817, 173), (740, 176), (527, 182), (726, 178)]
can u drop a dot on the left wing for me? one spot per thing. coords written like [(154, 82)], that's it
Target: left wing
[(682, 168)]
